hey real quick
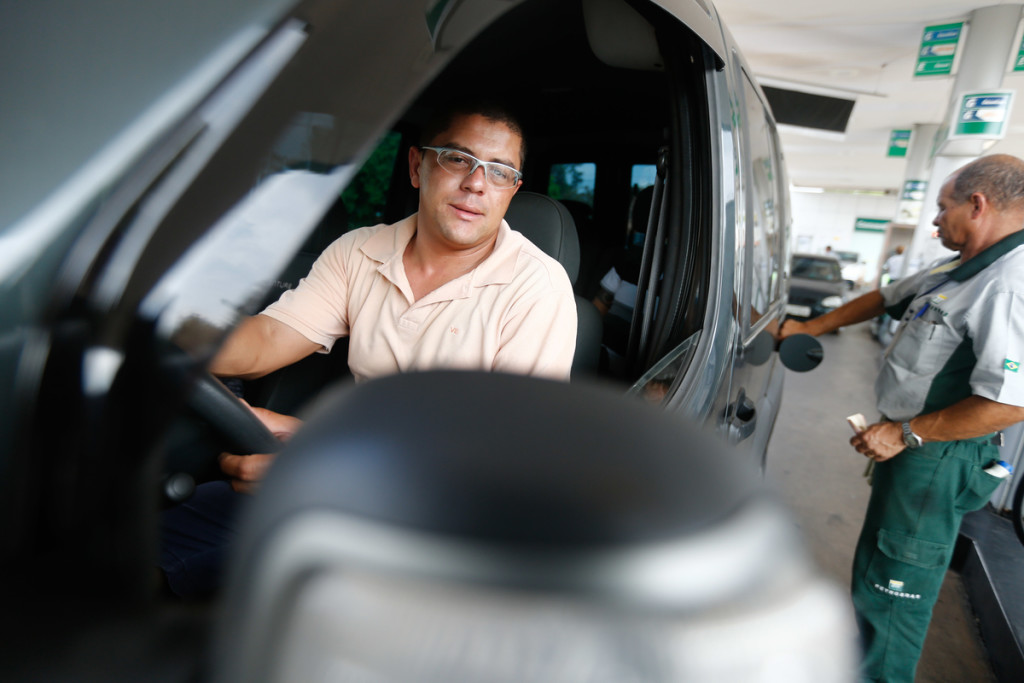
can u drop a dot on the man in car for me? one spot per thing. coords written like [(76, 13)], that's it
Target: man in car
[(950, 382), (451, 286)]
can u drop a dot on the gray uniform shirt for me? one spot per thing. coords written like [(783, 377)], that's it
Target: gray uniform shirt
[(961, 333)]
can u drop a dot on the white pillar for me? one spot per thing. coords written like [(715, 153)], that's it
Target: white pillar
[(986, 53), (919, 158), (924, 248)]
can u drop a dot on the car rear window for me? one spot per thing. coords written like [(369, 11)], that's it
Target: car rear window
[(817, 269)]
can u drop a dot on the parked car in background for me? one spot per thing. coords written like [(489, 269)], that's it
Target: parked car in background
[(853, 267), (816, 286)]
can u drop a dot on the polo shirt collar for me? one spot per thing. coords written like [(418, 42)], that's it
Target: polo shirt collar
[(384, 245), (987, 257), (500, 266), (388, 247)]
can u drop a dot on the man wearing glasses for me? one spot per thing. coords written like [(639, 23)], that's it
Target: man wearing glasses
[(451, 286)]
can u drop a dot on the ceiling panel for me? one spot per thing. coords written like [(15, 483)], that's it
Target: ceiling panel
[(865, 50)]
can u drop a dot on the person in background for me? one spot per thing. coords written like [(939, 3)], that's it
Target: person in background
[(950, 382), (894, 264)]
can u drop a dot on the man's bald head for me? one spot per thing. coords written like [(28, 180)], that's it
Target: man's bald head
[(1000, 177)]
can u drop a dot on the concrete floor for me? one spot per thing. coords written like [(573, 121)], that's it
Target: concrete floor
[(811, 462)]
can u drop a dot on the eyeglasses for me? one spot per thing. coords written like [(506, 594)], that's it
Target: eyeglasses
[(458, 163)]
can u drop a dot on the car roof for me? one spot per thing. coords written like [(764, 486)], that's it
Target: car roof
[(820, 257)]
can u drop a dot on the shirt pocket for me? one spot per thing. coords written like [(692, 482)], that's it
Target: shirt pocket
[(925, 345)]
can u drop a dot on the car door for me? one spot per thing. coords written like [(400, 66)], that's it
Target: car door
[(756, 385)]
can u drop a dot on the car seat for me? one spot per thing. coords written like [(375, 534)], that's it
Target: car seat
[(548, 224)]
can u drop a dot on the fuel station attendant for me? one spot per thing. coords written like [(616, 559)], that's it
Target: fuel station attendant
[(950, 381)]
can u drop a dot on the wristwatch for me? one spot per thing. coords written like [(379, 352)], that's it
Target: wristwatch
[(911, 439)]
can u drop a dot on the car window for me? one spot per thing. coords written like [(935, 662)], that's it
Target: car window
[(574, 182), (677, 258), (847, 256), (824, 270), (366, 197), (641, 176), (765, 262)]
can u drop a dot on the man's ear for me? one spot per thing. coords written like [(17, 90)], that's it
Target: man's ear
[(415, 161), (979, 204)]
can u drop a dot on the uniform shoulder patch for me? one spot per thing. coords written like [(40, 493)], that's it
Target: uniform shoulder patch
[(1011, 365)]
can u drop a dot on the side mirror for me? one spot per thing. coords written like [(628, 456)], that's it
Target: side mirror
[(801, 352)]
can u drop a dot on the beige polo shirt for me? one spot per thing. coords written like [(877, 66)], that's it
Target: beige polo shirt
[(515, 312)]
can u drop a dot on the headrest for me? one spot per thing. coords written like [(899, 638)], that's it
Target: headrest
[(500, 499), (549, 225), (506, 458)]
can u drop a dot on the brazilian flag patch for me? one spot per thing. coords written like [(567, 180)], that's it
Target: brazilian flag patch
[(1011, 365)]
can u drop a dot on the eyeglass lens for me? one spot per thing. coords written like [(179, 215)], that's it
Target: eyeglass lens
[(458, 162)]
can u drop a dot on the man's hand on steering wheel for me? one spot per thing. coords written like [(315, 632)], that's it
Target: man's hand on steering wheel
[(246, 471)]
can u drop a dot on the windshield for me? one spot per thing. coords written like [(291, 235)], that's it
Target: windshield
[(847, 256), (811, 268)]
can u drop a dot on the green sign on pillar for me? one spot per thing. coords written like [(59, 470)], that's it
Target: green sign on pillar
[(983, 115), (899, 141), (913, 190), (938, 47), (871, 224), (1018, 63)]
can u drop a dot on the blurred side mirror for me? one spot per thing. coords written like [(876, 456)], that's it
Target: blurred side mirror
[(801, 352)]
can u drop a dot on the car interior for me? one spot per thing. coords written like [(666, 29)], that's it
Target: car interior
[(618, 163), (601, 158)]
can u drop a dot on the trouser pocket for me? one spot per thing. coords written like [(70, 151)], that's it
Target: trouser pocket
[(907, 568), (979, 489)]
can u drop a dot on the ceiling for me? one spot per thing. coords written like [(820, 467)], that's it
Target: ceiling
[(865, 50)]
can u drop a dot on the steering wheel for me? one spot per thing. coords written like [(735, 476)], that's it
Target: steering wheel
[(232, 418), (240, 431)]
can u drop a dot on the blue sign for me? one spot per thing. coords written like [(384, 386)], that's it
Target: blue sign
[(938, 48), (983, 115), (942, 35)]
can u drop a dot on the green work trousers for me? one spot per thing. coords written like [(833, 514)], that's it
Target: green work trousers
[(918, 499)]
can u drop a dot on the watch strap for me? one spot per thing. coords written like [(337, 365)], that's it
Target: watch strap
[(910, 439)]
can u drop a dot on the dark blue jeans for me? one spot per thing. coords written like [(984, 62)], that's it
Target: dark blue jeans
[(196, 537)]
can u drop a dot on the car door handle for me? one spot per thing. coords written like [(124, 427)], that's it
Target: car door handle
[(742, 418)]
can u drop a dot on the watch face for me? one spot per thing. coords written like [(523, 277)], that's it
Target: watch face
[(911, 439)]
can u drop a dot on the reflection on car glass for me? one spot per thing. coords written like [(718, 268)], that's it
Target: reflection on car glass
[(655, 384), (306, 143), (274, 213)]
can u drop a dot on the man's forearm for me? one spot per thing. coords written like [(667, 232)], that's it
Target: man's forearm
[(864, 307), (258, 346), (973, 416)]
